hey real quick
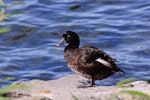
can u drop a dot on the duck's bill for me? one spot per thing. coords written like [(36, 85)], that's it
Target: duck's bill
[(62, 41)]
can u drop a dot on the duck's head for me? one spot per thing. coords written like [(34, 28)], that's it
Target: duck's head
[(71, 38)]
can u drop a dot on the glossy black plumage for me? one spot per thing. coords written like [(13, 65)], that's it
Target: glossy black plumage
[(87, 61)]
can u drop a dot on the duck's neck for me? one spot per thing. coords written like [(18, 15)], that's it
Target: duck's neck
[(71, 47)]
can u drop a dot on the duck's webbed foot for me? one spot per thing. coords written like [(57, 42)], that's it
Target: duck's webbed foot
[(88, 83)]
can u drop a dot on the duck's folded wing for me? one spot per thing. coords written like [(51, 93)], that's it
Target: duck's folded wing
[(91, 55)]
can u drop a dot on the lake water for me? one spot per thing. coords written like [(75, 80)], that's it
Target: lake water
[(119, 27)]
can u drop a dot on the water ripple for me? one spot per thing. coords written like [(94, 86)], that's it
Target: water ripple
[(121, 28)]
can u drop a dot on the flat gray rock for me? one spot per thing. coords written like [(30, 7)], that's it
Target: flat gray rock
[(69, 88)]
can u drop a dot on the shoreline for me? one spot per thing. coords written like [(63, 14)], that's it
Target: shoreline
[(67, 88)]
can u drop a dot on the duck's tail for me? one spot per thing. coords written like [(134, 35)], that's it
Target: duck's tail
[(117, 69)]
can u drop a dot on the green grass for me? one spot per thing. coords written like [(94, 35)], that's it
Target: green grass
[(4, 14), (2, 98), (2, 3), (136, 94), (11, 88), (4, 29), (9, 78), (75, 7), (125, 81), (74, 97), (3, 10)]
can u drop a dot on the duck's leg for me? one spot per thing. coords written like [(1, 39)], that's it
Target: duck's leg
[(92, 82)]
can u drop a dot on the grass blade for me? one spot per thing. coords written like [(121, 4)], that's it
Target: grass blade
[(3, 98), (74, 97), (9, 78), (2, 12), (4, 29), (128, 80), (12, 87), (75, 7), (136, 93), (2, 3)]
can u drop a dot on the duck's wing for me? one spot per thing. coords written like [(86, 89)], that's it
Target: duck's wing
[(91, 55)]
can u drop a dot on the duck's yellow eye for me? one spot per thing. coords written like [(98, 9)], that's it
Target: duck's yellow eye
[(68, 36)]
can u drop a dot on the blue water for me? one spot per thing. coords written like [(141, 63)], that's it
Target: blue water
[(120, 27)]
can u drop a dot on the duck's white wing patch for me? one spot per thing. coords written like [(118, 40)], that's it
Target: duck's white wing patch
[(104, 62)]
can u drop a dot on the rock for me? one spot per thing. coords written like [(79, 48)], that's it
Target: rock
[(68, 88)]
